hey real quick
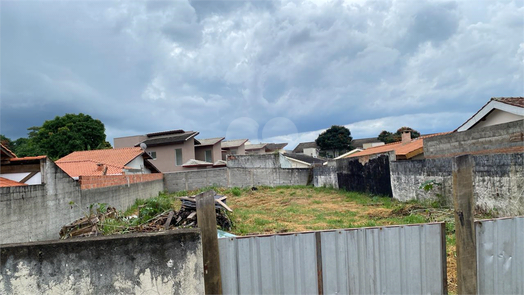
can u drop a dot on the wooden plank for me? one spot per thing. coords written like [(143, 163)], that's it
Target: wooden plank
[(444, 261), (29, 176), (206, 218), (464, 204), (168, 221), (20, 168), (320, 277), (223, 205)]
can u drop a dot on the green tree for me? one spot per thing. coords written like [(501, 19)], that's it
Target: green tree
[(64, 135), (7, 142), (335, 139)]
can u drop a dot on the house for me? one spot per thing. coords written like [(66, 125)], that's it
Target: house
[(169, 150), (233, 147), (265, 148), (118, 161), (348, 154), (497, 110), (364, 143), (406, 149), (302, 160), (496, 128), (307, 148), (16, 171), (209, 150), (256, 148)]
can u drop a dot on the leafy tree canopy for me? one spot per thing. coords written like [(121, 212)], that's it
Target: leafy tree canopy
[(336, 138), (64, 135), (388, 137)]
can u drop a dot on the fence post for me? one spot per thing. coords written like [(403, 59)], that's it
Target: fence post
[(464, 204), (206, 218)]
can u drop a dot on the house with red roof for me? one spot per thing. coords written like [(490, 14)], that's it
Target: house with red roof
[(16, 171), (406, 149), (119, 161)]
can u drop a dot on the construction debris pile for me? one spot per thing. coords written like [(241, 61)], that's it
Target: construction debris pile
[(186, 217)]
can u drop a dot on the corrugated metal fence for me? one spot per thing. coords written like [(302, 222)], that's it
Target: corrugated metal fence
[(500, 256), (408, 259)]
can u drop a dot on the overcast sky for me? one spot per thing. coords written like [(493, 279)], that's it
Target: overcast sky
[(260, 69)]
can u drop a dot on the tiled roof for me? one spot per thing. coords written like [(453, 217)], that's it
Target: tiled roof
[(28, 158), (514, 101), (255, 146), (275, 146), (88, 168), (169, 138), (406, 150), (304, 145), (85, 163), (220, 163), (233, 143), (304, 158), (209, 141), (162, 133), (195, 163), (8, 152), (4, 182)]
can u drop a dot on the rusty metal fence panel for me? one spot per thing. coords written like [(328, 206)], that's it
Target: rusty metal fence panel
[(407, 259), (500, 256)]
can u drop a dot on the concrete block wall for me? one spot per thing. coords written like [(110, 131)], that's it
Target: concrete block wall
[(38, 212), (168, 262), (325, 176), (254, 161), (498, 182), (502, 138), (195, 179), (235, 177)]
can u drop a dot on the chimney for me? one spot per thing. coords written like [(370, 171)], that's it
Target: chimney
[(406, 137)]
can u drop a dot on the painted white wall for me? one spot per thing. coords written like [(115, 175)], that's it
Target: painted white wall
[(311, 152), (138, 163), (297, 164), (497, 117), (36, 179)]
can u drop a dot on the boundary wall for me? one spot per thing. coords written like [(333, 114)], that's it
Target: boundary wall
[(498, 181), (38, 212), (161, 263)]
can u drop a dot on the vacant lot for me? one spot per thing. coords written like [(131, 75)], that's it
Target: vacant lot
[(304, 208)]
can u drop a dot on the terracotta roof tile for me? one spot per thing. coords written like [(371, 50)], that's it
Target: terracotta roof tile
[(408, 150), (4, 182), (28, 158), (8, 151), (85, 163), (514, 101)]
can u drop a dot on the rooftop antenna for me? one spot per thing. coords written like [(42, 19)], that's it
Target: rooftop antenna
[(143, 146)]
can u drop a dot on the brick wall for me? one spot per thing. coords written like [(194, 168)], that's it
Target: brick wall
[(90, 182)]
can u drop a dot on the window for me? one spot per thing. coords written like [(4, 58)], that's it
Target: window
[(153, 155), (209, 157), (178, 157), (233, 151)]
